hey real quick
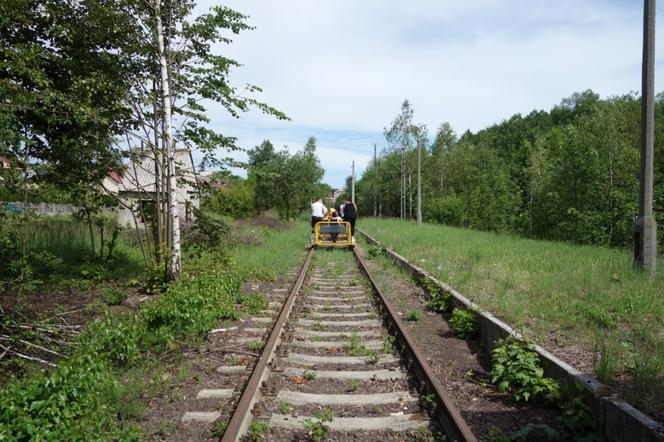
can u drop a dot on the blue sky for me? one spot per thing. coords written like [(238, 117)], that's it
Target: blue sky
[(340, 69)]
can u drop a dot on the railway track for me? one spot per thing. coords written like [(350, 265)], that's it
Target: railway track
[(338, 365)]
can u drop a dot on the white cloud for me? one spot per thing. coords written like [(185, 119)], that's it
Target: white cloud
[(346, 65)]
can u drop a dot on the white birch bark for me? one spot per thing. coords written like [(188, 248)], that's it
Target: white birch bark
[(168, 146)]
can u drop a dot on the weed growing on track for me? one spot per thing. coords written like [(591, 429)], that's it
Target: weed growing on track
[(254, 303), (553, 290), (284, 407), (464, 323), (316, 428), (413, 315), (218, 428), (309, 375), (515, 367), (255, 346), (258, 431)]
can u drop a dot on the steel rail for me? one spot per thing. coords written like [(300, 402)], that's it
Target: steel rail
[(241, 417), (447, 413)]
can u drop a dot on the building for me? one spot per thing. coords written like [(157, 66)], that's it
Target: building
[(137, 190)]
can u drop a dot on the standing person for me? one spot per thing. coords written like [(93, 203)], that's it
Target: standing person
[(318, 211), (350, 215)]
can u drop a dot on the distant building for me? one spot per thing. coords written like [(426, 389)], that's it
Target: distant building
[(136, 188)]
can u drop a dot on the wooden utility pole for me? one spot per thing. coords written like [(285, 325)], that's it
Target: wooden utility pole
[(375, 196), (352, 184), (645, 227)]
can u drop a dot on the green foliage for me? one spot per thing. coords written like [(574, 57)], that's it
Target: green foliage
[(258, 431), (538, 431), (253, 303), (447, 209), (115, 296), (428, 401), (375, 251), (115, 338), (218, 428), (309, 375), (209, 233), (235, 199), (354, 385), (194, 305), (25, 264), (72, 402), (286, 182), (256, 345), (439, 300), (284, 407), (464, 323), (154, 281), (568, 174), (413, 315), (516, 368), (577, 420), (316, 428)]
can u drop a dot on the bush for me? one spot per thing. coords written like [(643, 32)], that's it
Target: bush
[(114, 338), (464, 323), (446, 210), (439, 300), (71, 403), (208, 233), (194, 304), (236, 200), (516, 368), (115, 296)]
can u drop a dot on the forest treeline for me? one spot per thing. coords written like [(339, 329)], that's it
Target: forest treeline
[(570, 174)]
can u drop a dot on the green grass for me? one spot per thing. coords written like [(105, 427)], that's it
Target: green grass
[(276, 252), (549, 290)]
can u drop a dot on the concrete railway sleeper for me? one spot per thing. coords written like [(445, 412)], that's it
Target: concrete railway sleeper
[(338, 365)]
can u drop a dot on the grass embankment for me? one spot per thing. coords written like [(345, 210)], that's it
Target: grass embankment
[(92, 394), (558, 294)]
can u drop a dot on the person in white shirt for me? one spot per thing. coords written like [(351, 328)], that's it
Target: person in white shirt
[(318, 211)]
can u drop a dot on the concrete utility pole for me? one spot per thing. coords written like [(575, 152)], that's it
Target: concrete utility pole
[(352, 185), (419, 181), (375, 196), (645, 227), (402, 208)]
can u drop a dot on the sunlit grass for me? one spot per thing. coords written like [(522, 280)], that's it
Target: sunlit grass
[(552, 291), (275, 251)]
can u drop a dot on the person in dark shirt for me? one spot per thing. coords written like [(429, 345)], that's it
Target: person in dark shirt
[(350, 215)]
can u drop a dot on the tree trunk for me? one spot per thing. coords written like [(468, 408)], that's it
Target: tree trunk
[(92, 233), (175, 267), (159, 212)]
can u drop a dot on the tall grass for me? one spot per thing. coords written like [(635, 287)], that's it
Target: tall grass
[(69, 240), (271, 252), (554, 292)]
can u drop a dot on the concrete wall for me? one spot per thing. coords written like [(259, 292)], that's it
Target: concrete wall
[(618, 420), (46, 209)]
